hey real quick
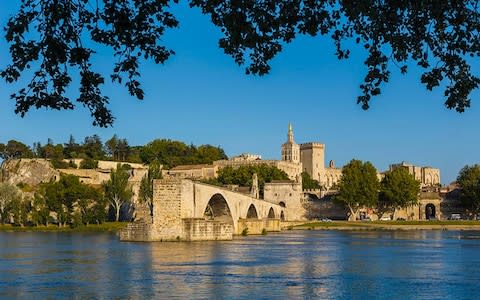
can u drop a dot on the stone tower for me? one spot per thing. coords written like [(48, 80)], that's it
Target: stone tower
[(312, 156), (255, 188), (290, 150)]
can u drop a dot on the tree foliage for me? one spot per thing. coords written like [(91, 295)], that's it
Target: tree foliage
[(441, 37), (308, 183), (398, 189), (88, 163), (167, 152), (173, 153), (15, 149), (40, 213), (117, 190), (358, 186), (146, 185), (9, 194), (469, 181), (19, 209), (68, 196)]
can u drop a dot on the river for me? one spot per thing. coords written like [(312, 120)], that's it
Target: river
[(288, 265)]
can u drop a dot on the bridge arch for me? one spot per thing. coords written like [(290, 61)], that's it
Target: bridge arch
[(282, 216), (203, 200), (271, 213), (217, 209), (252, 212)]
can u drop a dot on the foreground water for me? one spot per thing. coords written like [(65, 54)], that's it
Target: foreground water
[(296, 264)]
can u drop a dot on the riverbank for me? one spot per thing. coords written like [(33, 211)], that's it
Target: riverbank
[(104, 227), (390, 225)]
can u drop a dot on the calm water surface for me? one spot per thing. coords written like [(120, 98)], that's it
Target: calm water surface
[(297, 264)]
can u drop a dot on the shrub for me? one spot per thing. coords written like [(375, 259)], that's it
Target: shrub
[(59, 164), (88, 163), (72, 165)]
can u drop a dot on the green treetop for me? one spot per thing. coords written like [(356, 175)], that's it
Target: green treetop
[(399, 189), (358, 186), (469, 181)]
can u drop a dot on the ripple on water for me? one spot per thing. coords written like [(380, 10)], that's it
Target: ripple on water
[(303, 264)]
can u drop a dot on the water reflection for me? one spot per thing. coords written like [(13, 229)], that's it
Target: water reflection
[(302, 264)]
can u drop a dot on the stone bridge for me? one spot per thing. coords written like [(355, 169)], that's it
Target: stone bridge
[(188, 210)]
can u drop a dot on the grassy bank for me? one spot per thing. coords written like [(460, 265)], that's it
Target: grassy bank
[(105, 227), (392, 225)]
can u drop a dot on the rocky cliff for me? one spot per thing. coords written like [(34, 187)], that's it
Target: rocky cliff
[(27, 171)]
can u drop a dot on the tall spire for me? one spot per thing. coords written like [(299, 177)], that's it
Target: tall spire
[(290, 133)]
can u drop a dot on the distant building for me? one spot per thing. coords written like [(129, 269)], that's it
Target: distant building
[(311, 160), (192, 172), (246, 157), (427, 176)]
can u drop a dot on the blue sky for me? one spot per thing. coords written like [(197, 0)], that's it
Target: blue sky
[(201, 96)]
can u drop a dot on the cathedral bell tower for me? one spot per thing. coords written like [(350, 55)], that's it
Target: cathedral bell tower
[(290, 150)]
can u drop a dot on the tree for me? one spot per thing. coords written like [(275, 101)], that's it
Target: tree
[(20, 208), (146, 185), (173, 153), (64, 196), (399, 189), (93, 147), (15, 149), (40, 212), (91, 207), (98, 213), (88, 163), (117, 190), (442, 38), (8, 194), (469, 181), (207, 154), (112, 146), (53, 195), (308, 183), (123, 150), (53, 152), (71, 149), (358, 186)]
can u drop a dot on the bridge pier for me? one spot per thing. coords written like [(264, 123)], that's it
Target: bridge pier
[(256, 226)]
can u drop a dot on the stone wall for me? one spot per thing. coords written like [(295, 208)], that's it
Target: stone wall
[(288, 195), (167, 209), (255, 226), (88, 176), (138, 231), (197, 229), (318, 208), (330, 177), (192, 172), (423, 203), (454, 206)]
